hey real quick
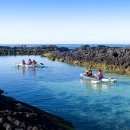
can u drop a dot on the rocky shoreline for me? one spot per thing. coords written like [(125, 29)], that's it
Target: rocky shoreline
[(16, 115), (23, 50), (114, 59)]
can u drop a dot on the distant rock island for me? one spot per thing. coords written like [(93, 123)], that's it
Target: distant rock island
[(114, 59)]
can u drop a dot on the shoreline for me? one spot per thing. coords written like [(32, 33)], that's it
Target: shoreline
[(113, 59), (18, 115)]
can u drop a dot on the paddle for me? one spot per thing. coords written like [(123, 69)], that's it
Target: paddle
[(41, 64)]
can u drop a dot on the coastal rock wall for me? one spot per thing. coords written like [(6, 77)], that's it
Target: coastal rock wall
[(104, 57), (23, 50), (16, 115), (112, 58)]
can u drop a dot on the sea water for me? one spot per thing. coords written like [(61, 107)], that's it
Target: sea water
[(70, 46), (58, 89)]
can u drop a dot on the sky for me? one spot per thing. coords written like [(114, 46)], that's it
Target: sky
[(64, 21)]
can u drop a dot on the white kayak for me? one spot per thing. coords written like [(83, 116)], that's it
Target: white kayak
[(83, 75), (28, 66), (95, 80)]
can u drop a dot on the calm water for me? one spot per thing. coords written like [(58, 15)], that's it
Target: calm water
[(58, 89)]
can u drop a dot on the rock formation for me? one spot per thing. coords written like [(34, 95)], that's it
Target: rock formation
[(16, 115)]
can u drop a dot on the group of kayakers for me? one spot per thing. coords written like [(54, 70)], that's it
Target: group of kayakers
[(90, 74), (30, 62)]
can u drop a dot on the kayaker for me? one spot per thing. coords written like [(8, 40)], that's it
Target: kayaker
[(29, 62), (34, 62), (23, 62), (100, 74), (89, 72)]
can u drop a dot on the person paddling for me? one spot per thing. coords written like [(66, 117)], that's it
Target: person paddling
[(89, 72), (29, 62), (100, 74), (34, 62), (23, 62)]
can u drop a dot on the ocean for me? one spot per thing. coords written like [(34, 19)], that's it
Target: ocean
[(70, 46), (58, 89)]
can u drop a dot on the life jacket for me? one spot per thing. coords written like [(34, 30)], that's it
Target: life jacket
[(23, 62), (100, 74), (29, 62), (34, 62), (89, 73)]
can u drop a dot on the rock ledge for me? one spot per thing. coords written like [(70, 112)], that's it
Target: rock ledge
[(16, 115)]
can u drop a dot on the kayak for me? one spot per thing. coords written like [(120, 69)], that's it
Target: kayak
[(83, 75), (29, 66), (95, 80)]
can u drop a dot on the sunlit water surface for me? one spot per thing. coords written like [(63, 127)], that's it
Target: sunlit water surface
[(58, 89)]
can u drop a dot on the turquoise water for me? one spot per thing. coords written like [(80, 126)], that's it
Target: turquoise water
[(58, 89)]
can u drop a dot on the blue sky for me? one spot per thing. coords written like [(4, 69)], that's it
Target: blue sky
[(64, 21)]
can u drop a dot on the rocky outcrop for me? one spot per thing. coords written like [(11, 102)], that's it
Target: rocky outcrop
[(23, 50), (104, 57), (16, 115)]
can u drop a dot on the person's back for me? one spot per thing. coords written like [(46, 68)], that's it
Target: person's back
[(89, 73), (23, 62), (29, 62), (100, 74), (34, 62)]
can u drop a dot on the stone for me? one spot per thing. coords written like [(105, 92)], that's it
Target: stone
[(10, 119), (19, 128), (5, 125), (1, 92), (1, 120), (29, 128), (23, 125), (35, 128), (15, 113), (8, 127), (17, 122)]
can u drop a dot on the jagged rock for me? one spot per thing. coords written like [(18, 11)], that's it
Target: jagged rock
[(1, 92), (10, 119), (27, 117), (17, 122), (1, 120), (35, 128), (19, 129), (8, 127)]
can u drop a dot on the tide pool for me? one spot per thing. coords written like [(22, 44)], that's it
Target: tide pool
[(58, 89)]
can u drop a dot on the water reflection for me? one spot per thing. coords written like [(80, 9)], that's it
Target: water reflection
[(97, 86), (25, 70)]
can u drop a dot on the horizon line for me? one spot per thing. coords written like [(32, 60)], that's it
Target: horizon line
[(61, 43)]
